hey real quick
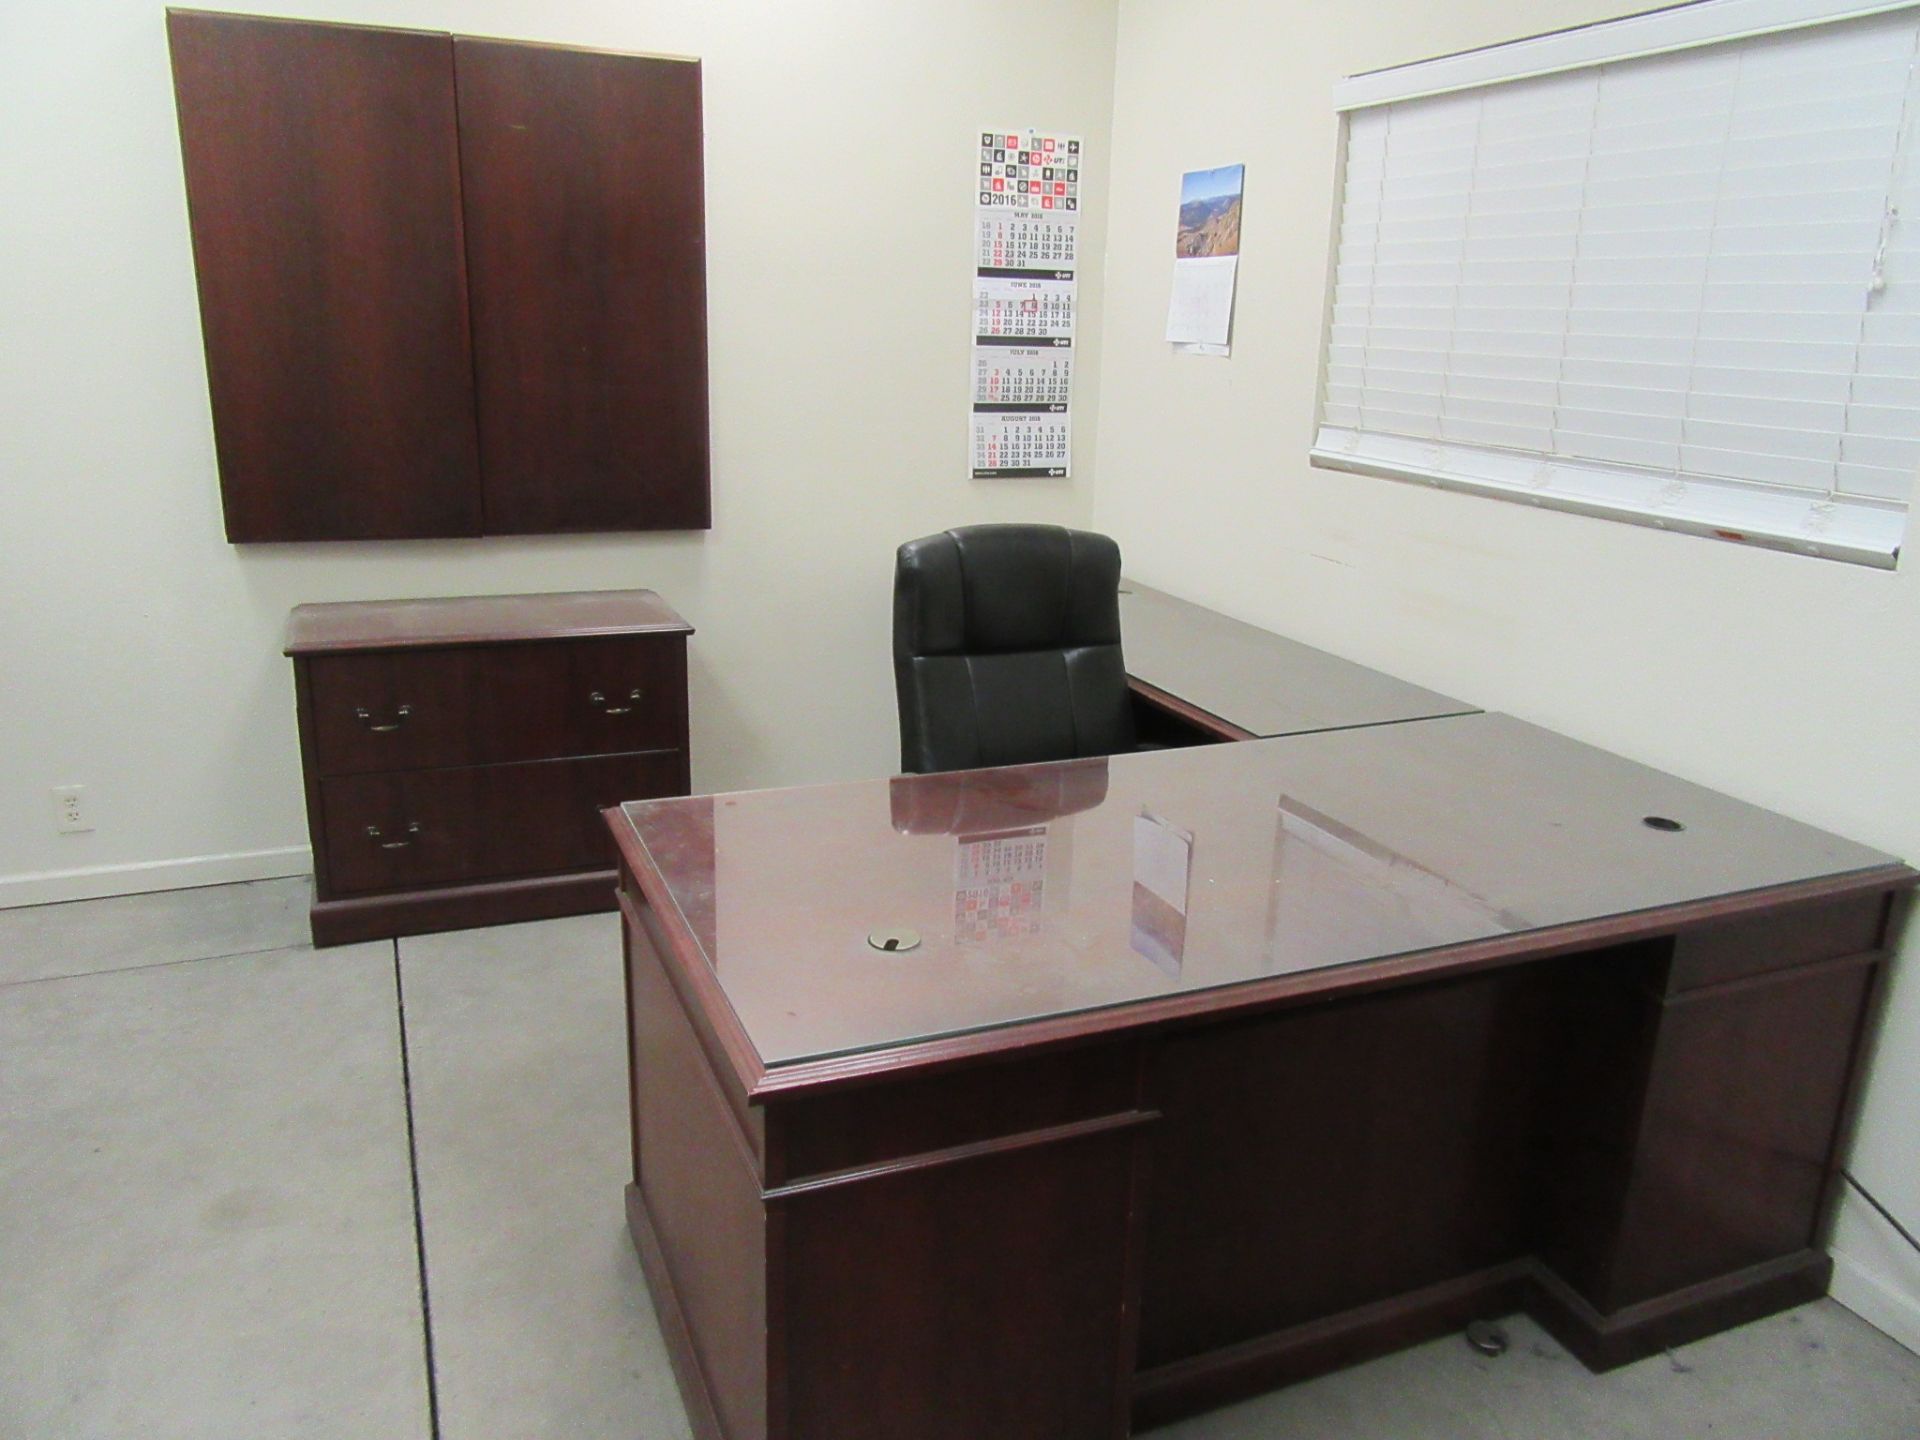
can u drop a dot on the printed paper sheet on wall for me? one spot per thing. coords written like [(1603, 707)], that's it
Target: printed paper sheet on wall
[(1206, 251), (1026, 250)]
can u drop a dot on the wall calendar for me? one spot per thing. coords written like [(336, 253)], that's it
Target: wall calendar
[(1026, 250)]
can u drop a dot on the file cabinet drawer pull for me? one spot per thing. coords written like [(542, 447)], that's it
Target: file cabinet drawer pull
[(599, 702), (365, 717)]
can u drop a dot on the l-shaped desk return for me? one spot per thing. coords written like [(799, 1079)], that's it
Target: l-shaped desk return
[(1439, 1026), (1229, 680)]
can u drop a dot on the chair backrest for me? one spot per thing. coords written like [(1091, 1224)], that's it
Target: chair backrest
[(1006, 647)]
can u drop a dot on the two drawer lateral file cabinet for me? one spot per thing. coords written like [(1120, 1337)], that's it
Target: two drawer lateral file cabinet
[(458, 752), (1217, 1067)]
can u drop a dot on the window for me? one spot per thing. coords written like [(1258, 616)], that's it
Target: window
[(1644, 271)]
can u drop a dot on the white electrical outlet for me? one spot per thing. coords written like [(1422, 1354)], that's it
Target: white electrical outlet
[(70, 815)]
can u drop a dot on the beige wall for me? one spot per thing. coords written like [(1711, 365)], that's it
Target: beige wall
[(1784, 680), (139, 653)]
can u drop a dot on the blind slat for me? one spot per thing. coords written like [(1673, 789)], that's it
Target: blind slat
[(1665, 264)]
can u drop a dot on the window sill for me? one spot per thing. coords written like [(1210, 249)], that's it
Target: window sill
[(1860, 532)]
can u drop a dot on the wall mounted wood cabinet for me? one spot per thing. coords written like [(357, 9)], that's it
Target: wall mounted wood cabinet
[(449, 286)]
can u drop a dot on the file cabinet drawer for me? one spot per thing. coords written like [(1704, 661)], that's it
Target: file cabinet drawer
[(481, 822), (494, 704)]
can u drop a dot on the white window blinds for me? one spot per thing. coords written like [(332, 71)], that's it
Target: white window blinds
[(1682, 289)]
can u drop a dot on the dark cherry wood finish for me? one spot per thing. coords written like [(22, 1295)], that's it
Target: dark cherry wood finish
[(1636, 1168), (747, 1232), (458, 752), (1407, 1169), (416, 828), (324, 193), (586, 259), (1204, 675), (477, 620), (449, 286), (1163, 719), (495, 703), (1624, 1125), (461, 907)]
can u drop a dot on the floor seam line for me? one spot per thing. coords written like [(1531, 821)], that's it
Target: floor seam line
[(155, 965), (419, 1218)]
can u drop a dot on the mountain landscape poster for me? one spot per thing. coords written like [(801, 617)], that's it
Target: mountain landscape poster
[(1206, 259), (1209, 213)]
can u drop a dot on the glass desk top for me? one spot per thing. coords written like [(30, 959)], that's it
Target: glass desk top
[(1262, 682), (1042, 890)]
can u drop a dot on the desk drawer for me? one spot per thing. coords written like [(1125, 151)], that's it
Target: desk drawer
[(1781, 939), (483, 822), (494, 704)]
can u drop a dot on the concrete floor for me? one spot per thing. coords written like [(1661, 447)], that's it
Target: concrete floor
[(209, 1227)]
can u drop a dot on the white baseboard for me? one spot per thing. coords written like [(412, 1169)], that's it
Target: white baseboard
[(48, 887), (1876, 1302)]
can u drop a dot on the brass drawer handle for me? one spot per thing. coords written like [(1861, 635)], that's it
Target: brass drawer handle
[(365, 717), (599, 702), (413, 829)]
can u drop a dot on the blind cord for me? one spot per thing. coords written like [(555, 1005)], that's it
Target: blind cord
[(1877, 279), (1877, 282)]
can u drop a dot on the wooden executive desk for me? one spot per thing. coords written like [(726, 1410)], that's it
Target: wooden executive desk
[(1430, 1025)]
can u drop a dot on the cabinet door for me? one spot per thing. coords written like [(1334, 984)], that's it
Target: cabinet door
[(581, 176), (323, 187)]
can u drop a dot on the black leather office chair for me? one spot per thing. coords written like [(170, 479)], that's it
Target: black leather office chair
[(1006, 647)]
